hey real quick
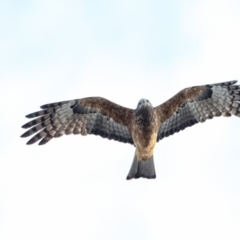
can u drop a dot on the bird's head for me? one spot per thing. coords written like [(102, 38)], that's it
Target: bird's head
[(143, 104), (144, 107), (144, 112)]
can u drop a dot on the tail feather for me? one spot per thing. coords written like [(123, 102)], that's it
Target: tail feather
[(144, 169)]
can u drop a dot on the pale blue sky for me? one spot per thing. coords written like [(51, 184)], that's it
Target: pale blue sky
[(74, 187)]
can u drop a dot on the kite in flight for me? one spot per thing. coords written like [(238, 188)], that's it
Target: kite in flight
[(142, 127)]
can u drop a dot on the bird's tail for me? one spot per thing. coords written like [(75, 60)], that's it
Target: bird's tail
[(140, 168)]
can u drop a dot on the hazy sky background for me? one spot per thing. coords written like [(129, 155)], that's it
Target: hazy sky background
[(74, 187)]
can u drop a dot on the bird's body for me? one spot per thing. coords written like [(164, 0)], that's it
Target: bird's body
[(144, 130), (142, 127)]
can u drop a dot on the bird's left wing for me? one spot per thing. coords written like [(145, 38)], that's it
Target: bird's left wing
[(196, 104), (84, 116)]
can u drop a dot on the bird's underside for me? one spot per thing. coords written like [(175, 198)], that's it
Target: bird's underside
[(142, 127)]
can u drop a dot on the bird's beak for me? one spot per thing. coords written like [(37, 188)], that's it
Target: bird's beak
[(146, 104)]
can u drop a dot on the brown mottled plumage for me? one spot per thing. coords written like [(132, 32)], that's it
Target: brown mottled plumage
[(118, 113), (142, 127)]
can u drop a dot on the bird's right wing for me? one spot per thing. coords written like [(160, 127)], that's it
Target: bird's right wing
[(84, 116)]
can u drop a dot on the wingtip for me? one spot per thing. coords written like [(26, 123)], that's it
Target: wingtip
[(26, 125), (29, 115), (31, 141), (24, 135), (44, 106), (42, 143)]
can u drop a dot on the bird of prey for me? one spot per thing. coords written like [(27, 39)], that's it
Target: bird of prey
[(142, 127)]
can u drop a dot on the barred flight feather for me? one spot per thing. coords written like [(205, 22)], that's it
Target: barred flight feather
[(221, 99), (70, 117)]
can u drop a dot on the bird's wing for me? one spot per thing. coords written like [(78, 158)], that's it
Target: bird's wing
[(196, 104), (92, 115)]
